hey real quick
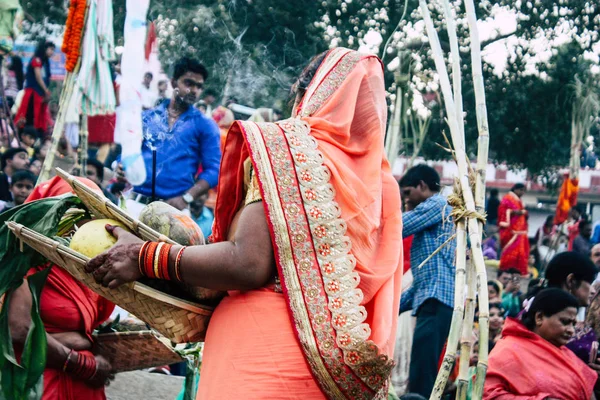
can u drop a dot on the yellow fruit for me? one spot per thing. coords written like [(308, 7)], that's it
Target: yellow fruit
[(92, 238)]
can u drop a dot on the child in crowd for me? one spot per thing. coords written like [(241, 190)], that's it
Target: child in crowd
[(28, 137), (20, 188)]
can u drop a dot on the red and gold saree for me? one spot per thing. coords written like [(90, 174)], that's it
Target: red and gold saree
[(333, 209), (513, 234)]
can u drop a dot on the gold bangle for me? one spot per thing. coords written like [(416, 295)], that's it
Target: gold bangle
[(157, 259)]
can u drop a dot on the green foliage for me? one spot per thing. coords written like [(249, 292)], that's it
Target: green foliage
[(23, 380)]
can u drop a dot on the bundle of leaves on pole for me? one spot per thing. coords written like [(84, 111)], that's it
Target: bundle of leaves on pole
[(467, 201)]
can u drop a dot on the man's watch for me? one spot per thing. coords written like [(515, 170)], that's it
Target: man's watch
[(188, 198)]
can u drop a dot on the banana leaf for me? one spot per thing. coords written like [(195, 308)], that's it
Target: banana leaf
[(24, 380)]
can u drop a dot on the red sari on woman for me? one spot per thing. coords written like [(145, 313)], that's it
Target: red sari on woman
[(513, 234), (66, 305), (524, 366)]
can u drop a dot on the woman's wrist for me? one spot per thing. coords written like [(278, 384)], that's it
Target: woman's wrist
[(80, 364)]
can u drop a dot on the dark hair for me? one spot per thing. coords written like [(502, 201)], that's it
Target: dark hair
[(99, 167), (537, 282), (494, 192), (549, 302), (570, 262), (16, 65), (24, 175), (583, 222), (495, 285), (40, 51), (187, 64), (29, 131), (298, 89), (412, 396), (419, 173), (497, 305), (9, 154), (210, 92), (517, 186), (507, 271), (148, 73)]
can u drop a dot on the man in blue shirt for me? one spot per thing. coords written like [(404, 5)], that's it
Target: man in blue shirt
[(184, 139), (431, 296)]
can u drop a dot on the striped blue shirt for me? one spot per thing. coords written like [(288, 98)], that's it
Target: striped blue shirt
[(431, 225)]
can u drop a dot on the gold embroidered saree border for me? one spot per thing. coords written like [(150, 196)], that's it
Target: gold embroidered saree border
[(285, 261)]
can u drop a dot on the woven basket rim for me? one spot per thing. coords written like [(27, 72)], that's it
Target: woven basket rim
[(96, 202), (36, 239)]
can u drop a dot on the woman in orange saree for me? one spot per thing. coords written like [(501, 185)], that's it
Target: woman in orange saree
[(512, 220), (321, 323), (70, 312)]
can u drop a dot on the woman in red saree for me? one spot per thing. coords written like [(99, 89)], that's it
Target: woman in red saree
[(34, 110), (531, 361), (70, 312), (512, 220), (307, 241)]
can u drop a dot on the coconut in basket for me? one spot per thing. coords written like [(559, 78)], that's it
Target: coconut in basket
[(169, 221)]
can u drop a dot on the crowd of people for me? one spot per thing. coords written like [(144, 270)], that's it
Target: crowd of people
[(313, 297)]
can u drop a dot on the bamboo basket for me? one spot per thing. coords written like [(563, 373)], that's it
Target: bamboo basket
[(130, 351), (179, 320), (102, 207)]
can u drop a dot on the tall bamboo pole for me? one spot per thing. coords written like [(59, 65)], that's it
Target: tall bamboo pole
[(457, 314), (482, 158), (469, 209), (65, 100), (466, 341)]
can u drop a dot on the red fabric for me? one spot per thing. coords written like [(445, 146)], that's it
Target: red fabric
[(41, 113), (406, 245), (525, 366), (101, 128), (573, 231), (36, 62), (150, 39), (513, 234), (56, 187), (68, 306), (566, 199)]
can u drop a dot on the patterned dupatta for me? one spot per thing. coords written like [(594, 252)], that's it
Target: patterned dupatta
[(317, 269)]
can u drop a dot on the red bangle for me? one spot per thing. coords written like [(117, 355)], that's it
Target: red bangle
[(141, 257), (64, 368), (163, 265), (149, 260), (178, 263)]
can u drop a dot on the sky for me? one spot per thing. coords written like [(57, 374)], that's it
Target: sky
[(503, 21)]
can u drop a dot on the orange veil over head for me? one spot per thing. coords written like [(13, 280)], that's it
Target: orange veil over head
[(333, 208)]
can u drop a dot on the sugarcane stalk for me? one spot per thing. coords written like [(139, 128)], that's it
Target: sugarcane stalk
[(482, 158), (473, 225), (466, 342), (456, 75), (392, 140), (457, 313), (58, 129), (83, 145), (65, 100)]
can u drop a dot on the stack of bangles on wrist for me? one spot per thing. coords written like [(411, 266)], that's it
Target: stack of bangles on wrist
[(80, 364), (153, 261)]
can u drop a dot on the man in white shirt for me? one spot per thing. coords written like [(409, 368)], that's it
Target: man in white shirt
[(148, 97)]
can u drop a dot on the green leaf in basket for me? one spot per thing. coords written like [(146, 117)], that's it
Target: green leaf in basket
[(24, 381)]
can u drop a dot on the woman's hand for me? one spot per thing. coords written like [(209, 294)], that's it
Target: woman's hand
[(119, 264), (73, 340), (103, 375)]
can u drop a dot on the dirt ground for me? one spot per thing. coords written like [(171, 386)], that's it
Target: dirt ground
[(142, 385)]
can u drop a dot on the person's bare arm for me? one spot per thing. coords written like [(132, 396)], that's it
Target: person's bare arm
[(19, 319), (245, 263), (38, 77)]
